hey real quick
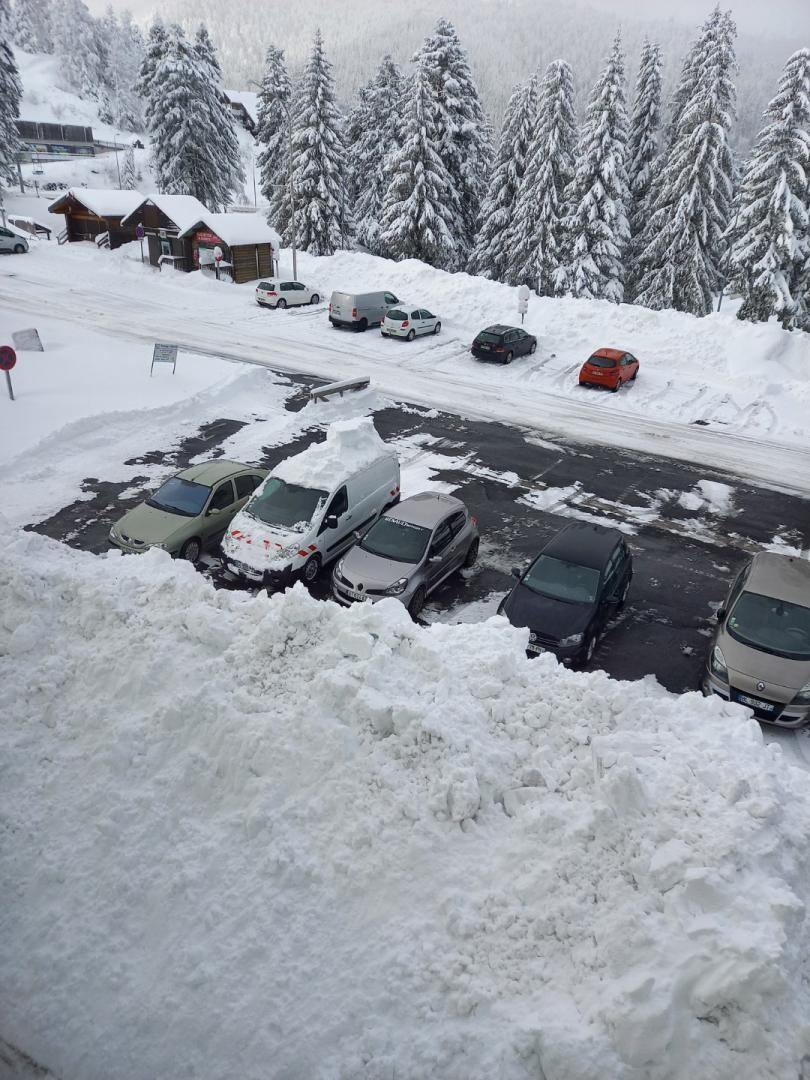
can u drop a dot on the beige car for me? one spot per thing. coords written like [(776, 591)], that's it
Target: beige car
[(760, 655)]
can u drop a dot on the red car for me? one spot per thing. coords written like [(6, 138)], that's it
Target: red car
[(609, 368)]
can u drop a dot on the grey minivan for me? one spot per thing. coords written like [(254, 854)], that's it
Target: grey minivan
[(760, 655), (360, 310), (408, 552)]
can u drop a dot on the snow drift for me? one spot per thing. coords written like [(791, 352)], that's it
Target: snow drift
[(273, 838)]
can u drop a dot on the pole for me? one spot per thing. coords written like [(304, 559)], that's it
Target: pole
[(292, 193), (117, 166), (8, 384), (253, 170), (19, 174)]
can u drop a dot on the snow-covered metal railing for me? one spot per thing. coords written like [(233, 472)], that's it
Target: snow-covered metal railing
[(321, 393), (103, 240), (62, 237)]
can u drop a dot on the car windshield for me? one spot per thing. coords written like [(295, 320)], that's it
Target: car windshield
[(489, 339), (268, 286), (601, 361), (775, 626), (398, 540), (395, 313), (179, 496), (287, 505), (563, 580)]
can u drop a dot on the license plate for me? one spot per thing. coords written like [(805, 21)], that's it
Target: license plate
[(484, 348), (240, 568), (755, 703), (355, 595), (536, 648)]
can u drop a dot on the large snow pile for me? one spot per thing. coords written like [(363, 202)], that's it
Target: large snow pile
[(350, 446), (271, 838)]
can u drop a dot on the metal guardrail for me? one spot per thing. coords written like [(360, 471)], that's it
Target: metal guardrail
[(62, 237), (321, 393)]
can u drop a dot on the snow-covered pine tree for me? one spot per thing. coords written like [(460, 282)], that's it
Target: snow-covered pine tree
[(771, 239), (597, 226), (461, 127), (32, 26), (185, 121), (537, 237), (77, 45), (421, 209), (491, 254), (369, 152), (154, 53), (121, 46), (223, 144), (10, 95), (272, 135), (357, 121), (323, 214), (642, 146), (129, 179), (681, 248)]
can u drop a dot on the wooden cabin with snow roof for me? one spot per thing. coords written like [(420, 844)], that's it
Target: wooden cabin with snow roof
[(163, 218), (248, 245), (96, 214)]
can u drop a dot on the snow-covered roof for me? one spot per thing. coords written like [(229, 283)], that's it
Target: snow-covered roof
[(248, 98), (181, 209), (350, 446), (105, 202), (236, 229)]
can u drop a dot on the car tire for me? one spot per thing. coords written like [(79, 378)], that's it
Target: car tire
[(615, 389), (472, 555), (410, 335), (19, 249), (362, 326), (190, 551), (312, 567), (633, 376), (282, 303), (533, 348), (314, 299), (625, 591), (417, 602), (508, 358), (437, 328)]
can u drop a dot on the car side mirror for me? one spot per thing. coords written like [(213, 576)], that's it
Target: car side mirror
[(720, 614), (516, 572), (331, 521), (214, 510), (435, 559)]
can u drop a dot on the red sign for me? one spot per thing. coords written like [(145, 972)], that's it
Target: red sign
[(208, 238), (8, 358)]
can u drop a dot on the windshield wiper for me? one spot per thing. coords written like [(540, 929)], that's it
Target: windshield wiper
[(169, 509)]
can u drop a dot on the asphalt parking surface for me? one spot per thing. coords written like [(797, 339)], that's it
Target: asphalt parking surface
[(684, 560)]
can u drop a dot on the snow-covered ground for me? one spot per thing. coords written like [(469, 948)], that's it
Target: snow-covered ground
[(715, 389), (269, 837)]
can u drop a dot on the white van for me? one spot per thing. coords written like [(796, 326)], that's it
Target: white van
[(312, 507), (360, 310)]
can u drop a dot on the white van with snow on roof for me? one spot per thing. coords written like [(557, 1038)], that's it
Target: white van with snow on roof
[(312, 506)]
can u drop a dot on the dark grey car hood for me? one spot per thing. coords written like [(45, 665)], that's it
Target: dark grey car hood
[(553, 618)]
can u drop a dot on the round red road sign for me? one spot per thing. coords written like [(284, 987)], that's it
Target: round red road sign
[(8, 358)]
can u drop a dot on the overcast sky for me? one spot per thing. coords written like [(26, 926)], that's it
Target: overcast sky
[(779, 18)]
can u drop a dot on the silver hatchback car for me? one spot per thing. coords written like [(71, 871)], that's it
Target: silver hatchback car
[(408, 552)]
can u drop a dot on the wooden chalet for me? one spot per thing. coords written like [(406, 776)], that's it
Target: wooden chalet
[(249, 246), (163, 218), (91, 212)]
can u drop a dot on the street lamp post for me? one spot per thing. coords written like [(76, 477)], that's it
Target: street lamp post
[(117, 166), (293, 237)]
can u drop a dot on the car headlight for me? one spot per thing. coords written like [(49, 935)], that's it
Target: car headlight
[(288, 551), (803, 696), (339, 567), (397, 588), (113, 533), (717, 663), (572, 639)]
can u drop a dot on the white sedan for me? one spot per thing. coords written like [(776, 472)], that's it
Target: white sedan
[(408, 322), (281, 294)]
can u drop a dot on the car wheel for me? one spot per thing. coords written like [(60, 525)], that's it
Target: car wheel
[(19, 249), (623, 597), (314, 299), (508, 358), (472, 554), (362, 326), (411, 335), (282, 303), (190, 551), (633, 376), (417, 602), (533, 348), (312, 567), (615, 389), (437, 328)]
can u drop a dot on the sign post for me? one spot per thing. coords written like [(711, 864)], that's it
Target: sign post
[(8, 358), (523, 301), (27, 340), (164, 354), (140, 233), (217, 260)]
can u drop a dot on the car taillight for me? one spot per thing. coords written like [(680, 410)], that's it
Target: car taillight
[(473, 519), (354, 312), (404, 322), (330, 305), (499, 348)]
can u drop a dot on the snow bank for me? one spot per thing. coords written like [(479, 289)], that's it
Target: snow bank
[(350, 446), (272, 837)]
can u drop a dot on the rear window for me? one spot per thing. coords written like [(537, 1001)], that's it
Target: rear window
[(602, 361), (268, 286), (395, 313), (490, 339)]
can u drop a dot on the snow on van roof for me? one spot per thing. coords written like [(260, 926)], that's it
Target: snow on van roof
[(350, 445)]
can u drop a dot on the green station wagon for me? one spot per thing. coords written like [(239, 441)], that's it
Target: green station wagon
[(189, 511)]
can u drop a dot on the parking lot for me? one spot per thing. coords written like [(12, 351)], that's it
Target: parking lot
[(522, 489)]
